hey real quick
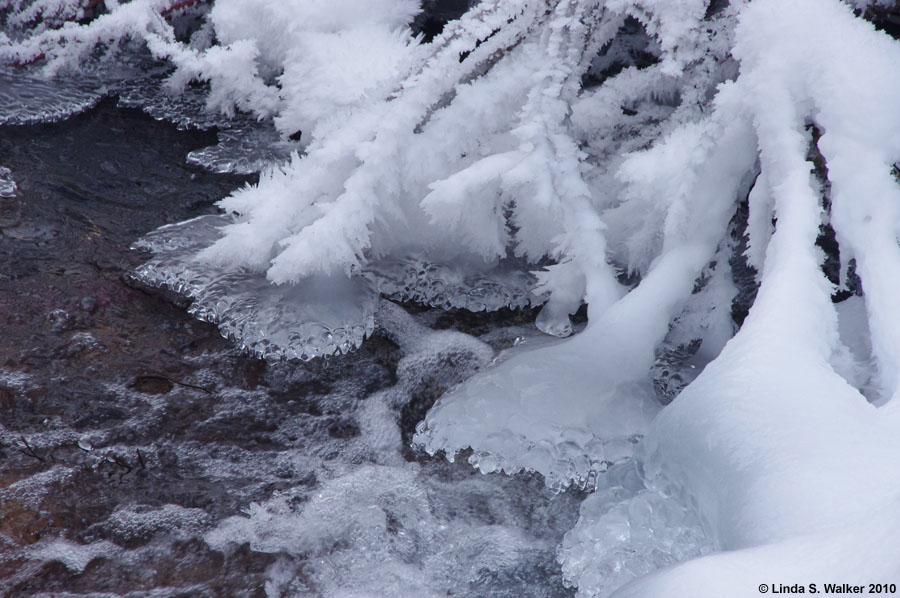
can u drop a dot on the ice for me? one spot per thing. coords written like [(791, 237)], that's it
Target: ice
[(74, 556), (244, 150), (375, 524), (31, 491), (136, 522), (8, 186), (839, 556), (853, 358), (377, 531), (184, 108), (697, 335), (138, 82), (430, 169), (26, 99), (321, 315), (787, 464), (517, 418), (470, 285), (625, 531), (317, 317), (561, 410)]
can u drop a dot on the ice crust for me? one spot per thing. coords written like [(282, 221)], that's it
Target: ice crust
[(516, 418), (779, 445), (74, 556), (245, 145), (244, 148), (470, 285), (625, 531), (321, 315), (26, 100)]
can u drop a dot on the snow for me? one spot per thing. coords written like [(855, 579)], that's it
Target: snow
[(791, 469)]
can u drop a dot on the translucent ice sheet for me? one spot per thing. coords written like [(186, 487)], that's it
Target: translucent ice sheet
[(319, 316), (245, 148), (548, 408), (626, 531), (245, 145), (25, 99), (474, 287)]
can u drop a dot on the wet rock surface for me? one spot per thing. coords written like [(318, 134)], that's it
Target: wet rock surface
[(129, 431)]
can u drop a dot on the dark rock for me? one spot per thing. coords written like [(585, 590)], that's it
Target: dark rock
[(152, 385)]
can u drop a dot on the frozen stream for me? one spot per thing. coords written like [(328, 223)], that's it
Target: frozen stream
[(135, 442)]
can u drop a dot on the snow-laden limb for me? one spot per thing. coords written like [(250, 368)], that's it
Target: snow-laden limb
[(303, 43), (559, 410), (860, 144), (790, 467), (42, 13), (342, 202), (439, 162), (70, 44)]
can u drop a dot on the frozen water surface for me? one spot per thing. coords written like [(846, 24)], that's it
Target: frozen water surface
[(470, 286), (27, 99), (319, 315), (244, 148)]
